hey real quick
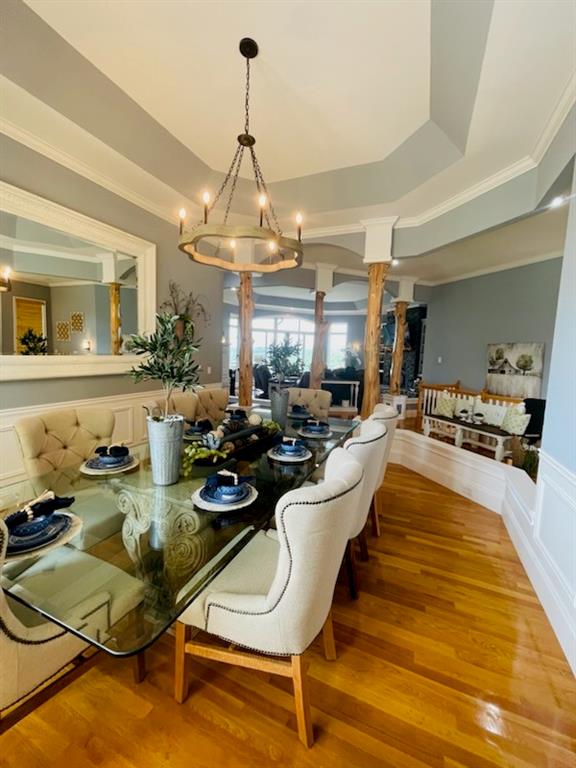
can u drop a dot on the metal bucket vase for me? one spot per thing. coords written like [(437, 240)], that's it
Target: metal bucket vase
[(165, 439), (279, 406)]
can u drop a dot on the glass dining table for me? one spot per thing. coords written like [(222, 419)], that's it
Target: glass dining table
[(143, 552)]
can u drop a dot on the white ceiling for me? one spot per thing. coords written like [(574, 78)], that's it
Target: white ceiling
[(320, 67), (336, 84), (343, 292)]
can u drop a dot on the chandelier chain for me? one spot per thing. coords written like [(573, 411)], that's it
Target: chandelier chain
[(261, 185), (247, 99)]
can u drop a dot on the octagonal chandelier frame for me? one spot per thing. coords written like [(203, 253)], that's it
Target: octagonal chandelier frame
[(277, 251)]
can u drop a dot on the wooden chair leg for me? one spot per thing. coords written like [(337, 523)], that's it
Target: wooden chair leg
[(139, 667), (375, 514), (302, 700), (351, 571), (180, 667), (363, 544), (328, 639)]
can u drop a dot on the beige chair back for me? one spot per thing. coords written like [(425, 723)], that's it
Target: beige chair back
[(212, 404), (316, 400), (56, 443)]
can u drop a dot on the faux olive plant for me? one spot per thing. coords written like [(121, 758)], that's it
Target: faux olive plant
[(169, 356)]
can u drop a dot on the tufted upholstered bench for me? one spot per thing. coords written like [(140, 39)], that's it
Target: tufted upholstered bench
[(54, 445)]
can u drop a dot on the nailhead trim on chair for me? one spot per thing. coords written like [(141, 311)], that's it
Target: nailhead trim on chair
[(357, 441), (284, 588)]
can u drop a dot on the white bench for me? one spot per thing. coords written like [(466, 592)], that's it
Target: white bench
[(495, 439)]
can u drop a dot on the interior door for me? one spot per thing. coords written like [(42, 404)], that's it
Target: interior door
[(28, 313)]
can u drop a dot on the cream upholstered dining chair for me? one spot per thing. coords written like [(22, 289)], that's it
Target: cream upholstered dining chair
[(33, 649), (57, 442), (208, 403), (388, 415), (368, 447), (316, 400), (275, 596)]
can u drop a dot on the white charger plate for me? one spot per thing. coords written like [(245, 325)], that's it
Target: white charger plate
[(104, 472), (209, 507), (315, 435), (286, 459)]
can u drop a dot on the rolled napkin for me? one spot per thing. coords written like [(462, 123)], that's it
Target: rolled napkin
[(226, 479), (200, 426), (300, 409), (34, 515), (114, 451)]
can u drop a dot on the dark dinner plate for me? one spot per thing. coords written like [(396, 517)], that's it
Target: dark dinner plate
[(97, 463), (222, 494), (57, 526)]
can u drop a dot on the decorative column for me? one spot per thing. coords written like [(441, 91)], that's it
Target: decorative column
[(244, 253), (115, 320), (324, 284), (405, 297), (378, 256)]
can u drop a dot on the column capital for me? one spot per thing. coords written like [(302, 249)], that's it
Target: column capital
[(324, 281), (378, 245), (405, 290)]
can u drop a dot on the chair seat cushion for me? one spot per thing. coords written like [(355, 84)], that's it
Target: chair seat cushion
[(250, 572)]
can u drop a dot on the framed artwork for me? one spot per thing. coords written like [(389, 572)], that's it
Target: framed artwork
[(515, 369), (77, 322), (62, 330)]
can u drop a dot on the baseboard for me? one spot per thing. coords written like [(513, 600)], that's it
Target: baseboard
[(476, 477)]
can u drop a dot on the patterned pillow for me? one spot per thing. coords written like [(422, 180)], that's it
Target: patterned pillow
[(515, 422), (445, 407)]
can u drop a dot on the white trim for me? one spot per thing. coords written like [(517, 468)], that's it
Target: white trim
[(61, 157), (21, 203), (557, 117)]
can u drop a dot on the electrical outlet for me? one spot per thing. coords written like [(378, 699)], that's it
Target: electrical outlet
[(439, 360), (209, 370)]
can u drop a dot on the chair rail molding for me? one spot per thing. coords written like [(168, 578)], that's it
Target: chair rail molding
[(18, 202)]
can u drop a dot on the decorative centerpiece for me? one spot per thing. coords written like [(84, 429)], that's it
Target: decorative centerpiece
[(169, 360)]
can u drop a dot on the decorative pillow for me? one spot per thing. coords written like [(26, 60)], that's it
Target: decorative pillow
[(515, 422), (493, 414), (445, 407)]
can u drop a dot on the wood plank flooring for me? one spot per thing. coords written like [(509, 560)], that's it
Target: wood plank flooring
[(446, 660)]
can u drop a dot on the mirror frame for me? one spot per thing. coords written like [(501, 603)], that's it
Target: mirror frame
[(18, 202)]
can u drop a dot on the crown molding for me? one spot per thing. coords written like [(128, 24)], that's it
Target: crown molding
[(30, 140), (491, 270), (565, 104), (340, 229)]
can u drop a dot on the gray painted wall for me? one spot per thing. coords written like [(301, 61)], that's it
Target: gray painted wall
[(463, 317), (27, 169), (559, 438), (74, 298)]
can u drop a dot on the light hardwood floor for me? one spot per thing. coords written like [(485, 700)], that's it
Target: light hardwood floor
[(446, 660)]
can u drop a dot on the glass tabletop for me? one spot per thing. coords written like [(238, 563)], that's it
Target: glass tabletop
[(138, 553)]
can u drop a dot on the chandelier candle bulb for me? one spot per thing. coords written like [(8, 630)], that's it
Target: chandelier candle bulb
[(262, 203), (299, 220), (206, 200), (181, 217)]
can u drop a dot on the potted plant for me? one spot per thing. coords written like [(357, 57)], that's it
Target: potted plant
[(33, 343), (169, 360), (284, 358)]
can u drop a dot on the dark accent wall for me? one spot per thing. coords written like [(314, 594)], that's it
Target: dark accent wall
[(510, 306)]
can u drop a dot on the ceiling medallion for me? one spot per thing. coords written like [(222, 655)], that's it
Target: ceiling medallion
[(243, 248)]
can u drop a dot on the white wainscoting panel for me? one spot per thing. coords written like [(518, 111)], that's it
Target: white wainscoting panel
[(476, 477), (130, 426), (544, 535)]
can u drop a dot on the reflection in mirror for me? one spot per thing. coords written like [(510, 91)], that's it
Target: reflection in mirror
[(64, 295)]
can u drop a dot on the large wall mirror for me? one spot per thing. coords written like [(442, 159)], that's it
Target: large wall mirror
[(72, 290)]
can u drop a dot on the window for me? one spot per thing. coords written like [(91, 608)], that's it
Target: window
[(271, 330), (337, 341)]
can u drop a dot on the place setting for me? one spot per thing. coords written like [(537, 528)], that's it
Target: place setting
[(40, 525), (290, 451), (299, 413), (225, 491), (109, 460), (197, 429), (315, 429)]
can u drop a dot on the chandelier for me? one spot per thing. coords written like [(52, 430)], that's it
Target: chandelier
[(242, 248)]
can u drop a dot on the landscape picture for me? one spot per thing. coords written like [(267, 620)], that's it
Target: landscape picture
[(515, 369)]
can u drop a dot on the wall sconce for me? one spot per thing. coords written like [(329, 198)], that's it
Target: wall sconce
[(5, 282), (87, 345)]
